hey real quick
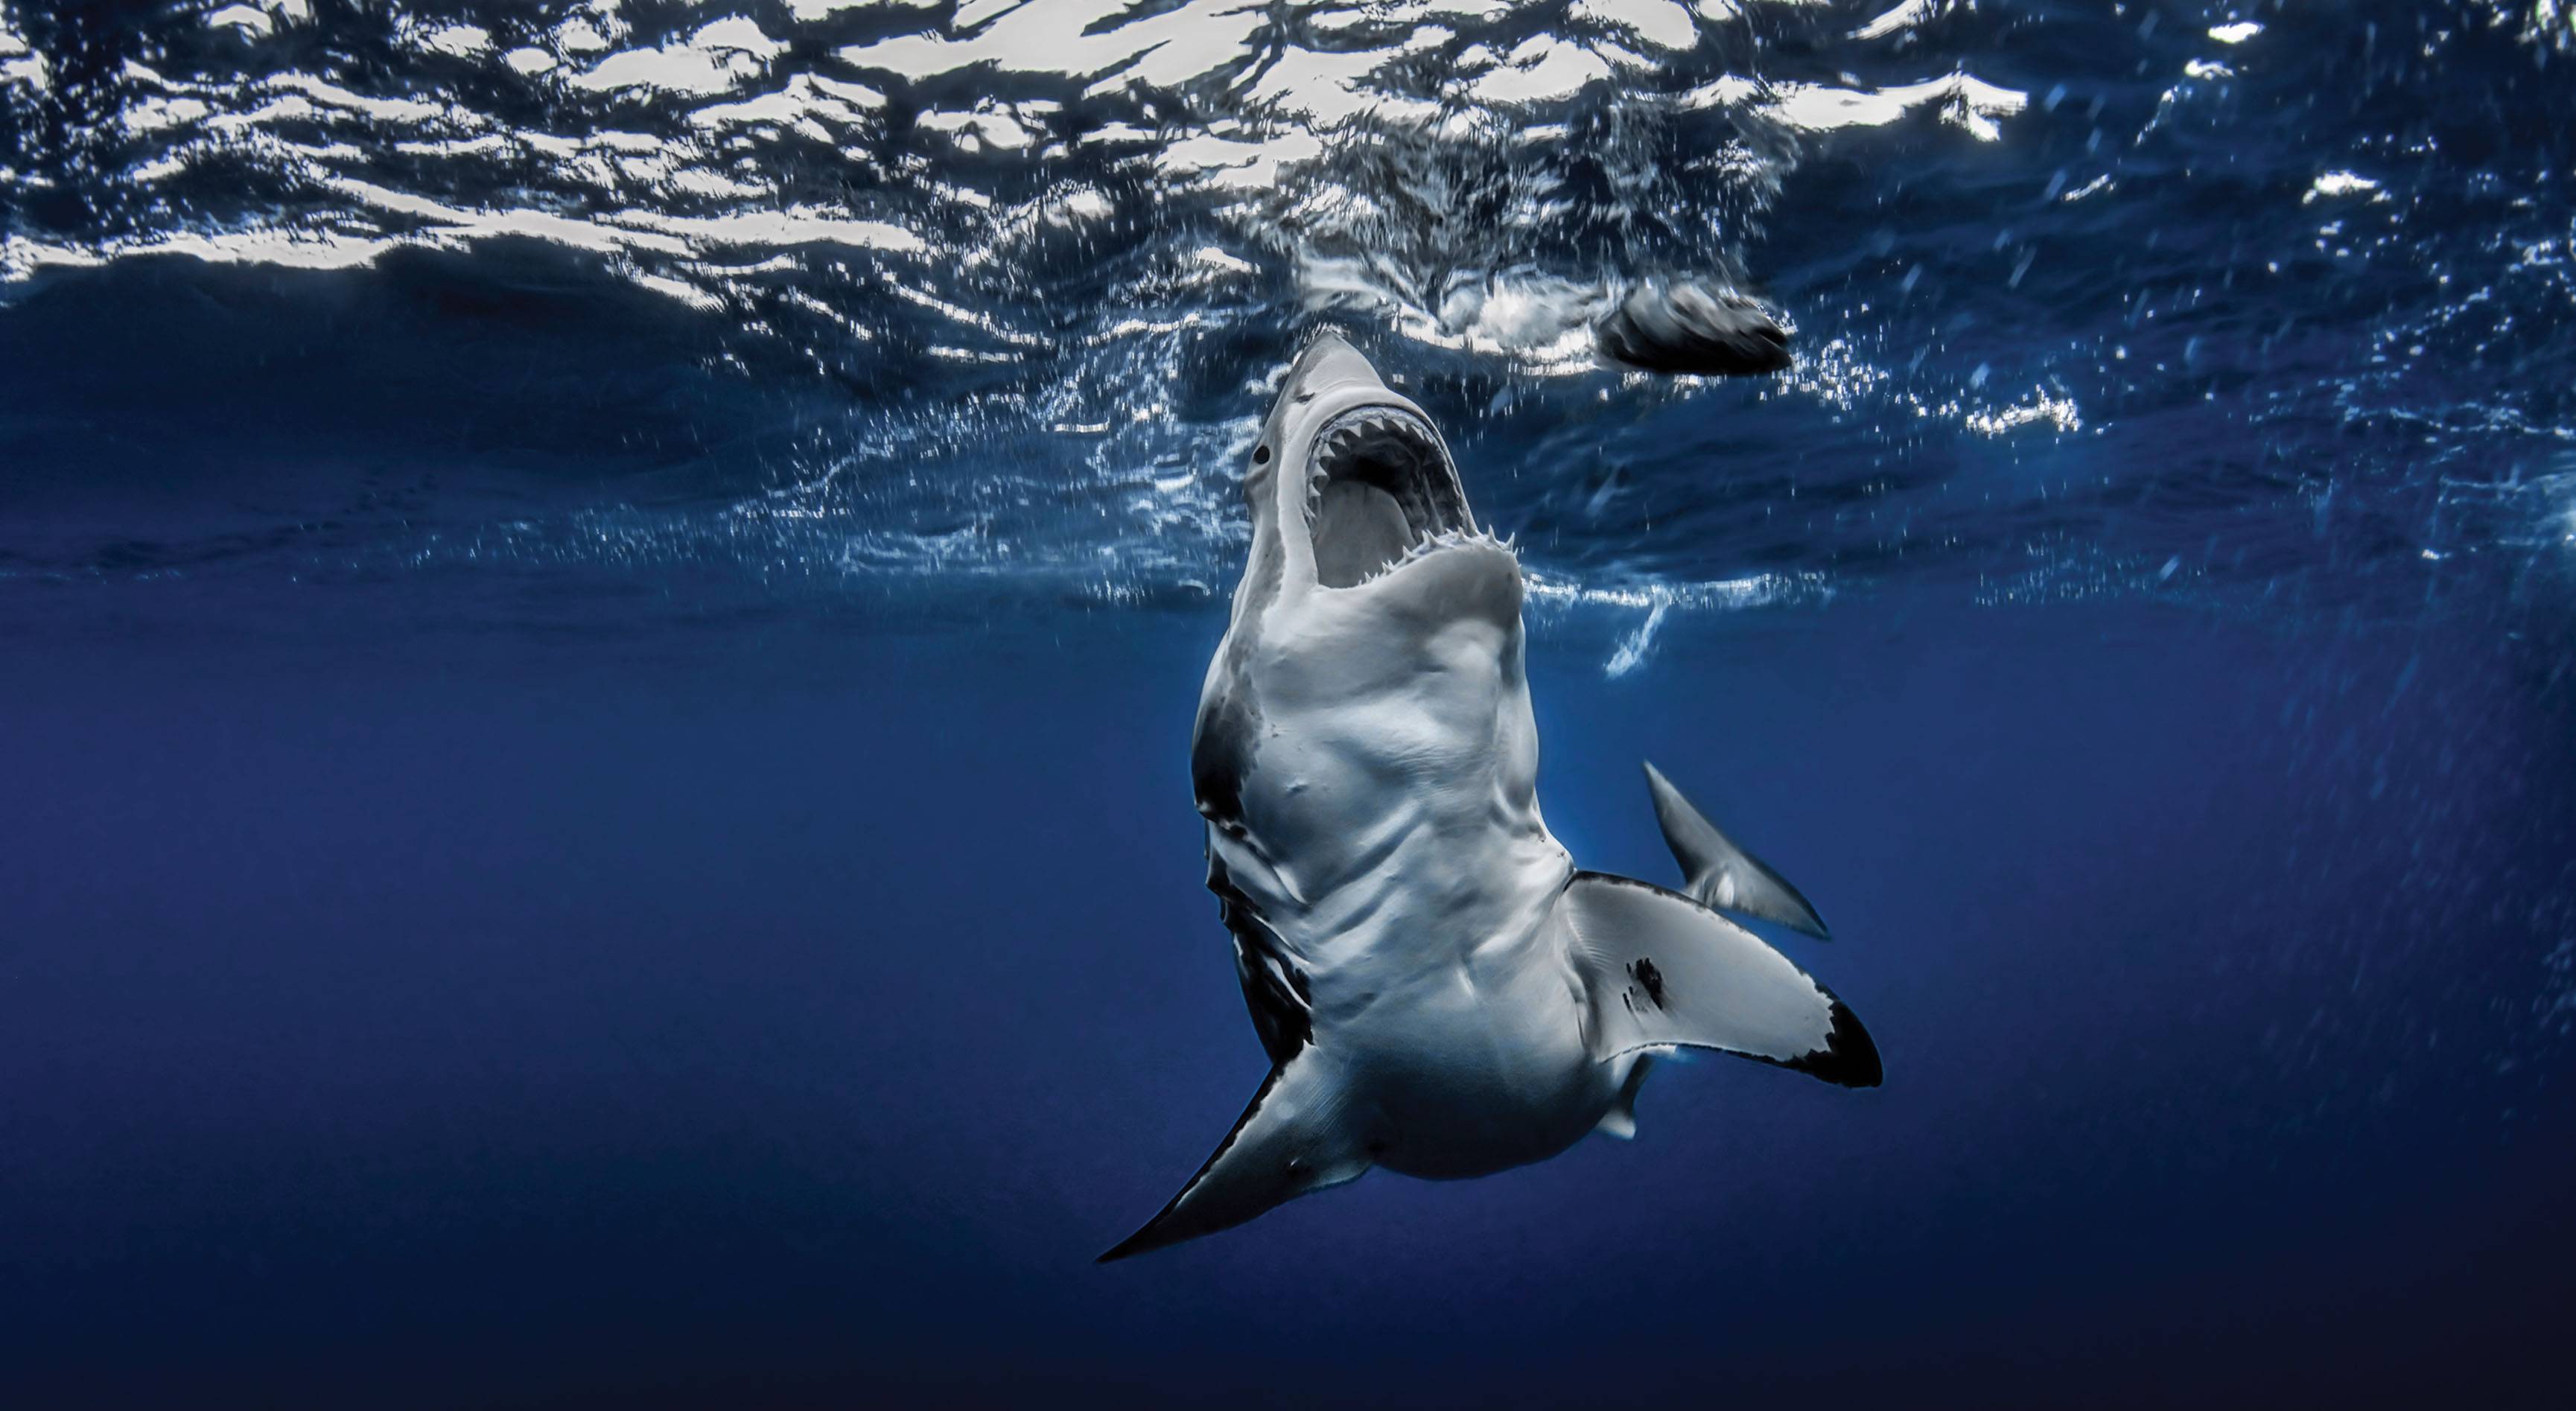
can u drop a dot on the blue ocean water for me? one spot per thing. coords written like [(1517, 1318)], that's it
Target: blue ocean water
[(601, 606)]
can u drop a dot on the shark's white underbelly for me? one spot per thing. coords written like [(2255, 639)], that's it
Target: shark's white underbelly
[(1391, 841), (1434, 981)]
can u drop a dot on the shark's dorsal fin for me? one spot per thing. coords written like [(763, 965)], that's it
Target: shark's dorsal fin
[(1720, 874), (1662, 970), (1289, 1142)]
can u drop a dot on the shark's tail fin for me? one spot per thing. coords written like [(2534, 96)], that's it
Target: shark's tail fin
[(1719, 873), (1289, 1142)]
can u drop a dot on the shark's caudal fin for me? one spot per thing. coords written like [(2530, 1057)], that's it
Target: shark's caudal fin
[(1719, 873), (1288, 1143), (1661, 969)]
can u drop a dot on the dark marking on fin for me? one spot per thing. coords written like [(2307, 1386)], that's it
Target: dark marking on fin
[(1848, 1059), (1845, 1054), (1653, 979)]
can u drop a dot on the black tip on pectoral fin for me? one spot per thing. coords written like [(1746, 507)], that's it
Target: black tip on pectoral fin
[(1850, 1056), (1662, 970)]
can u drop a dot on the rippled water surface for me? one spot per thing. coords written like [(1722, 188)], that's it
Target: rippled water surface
[(2263, 308)]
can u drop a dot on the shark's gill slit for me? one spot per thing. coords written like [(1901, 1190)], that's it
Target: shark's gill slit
[(1382, 487)]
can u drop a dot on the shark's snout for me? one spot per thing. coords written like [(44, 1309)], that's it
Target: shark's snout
[(1330, 361), (1365, 474)]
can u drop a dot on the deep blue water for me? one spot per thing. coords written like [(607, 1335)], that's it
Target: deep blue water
[(600, 609)]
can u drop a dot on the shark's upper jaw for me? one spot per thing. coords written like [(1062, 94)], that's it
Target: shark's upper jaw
[(1380, 489)]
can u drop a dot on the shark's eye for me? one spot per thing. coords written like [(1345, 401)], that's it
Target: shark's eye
[(1261, 456)]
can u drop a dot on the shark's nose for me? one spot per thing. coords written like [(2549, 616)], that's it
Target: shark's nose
[(1328, 362)]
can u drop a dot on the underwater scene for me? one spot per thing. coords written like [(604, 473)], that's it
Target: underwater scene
[(845, 702)]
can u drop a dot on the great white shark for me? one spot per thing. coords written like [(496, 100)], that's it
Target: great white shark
[(1441, 991)]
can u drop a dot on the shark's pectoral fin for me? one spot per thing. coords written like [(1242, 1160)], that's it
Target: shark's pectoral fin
[(1721, 874), (1661, 969), (1291, 1141)]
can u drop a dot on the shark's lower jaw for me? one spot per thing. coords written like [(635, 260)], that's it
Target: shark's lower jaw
[(1380, 492)]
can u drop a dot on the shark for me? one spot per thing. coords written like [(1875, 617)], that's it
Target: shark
[(1441, 992)]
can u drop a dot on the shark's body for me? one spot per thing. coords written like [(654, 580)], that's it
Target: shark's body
[(1440, 990)]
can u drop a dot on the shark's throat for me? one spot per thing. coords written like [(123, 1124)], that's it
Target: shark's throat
[(1380, 486)]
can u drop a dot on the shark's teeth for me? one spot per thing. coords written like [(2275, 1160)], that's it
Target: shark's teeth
[(1398, 451), (1360, 430), (1446, 539)]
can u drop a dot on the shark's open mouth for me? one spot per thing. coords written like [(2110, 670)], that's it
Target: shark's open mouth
[(1382, 487)]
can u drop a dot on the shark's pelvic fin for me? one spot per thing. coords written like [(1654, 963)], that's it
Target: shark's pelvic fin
[(1621, 1120), (1290, 1142), (1662, 969), (1721, 874)]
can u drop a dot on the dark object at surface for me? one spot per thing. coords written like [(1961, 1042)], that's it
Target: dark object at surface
[(1685, 325)]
